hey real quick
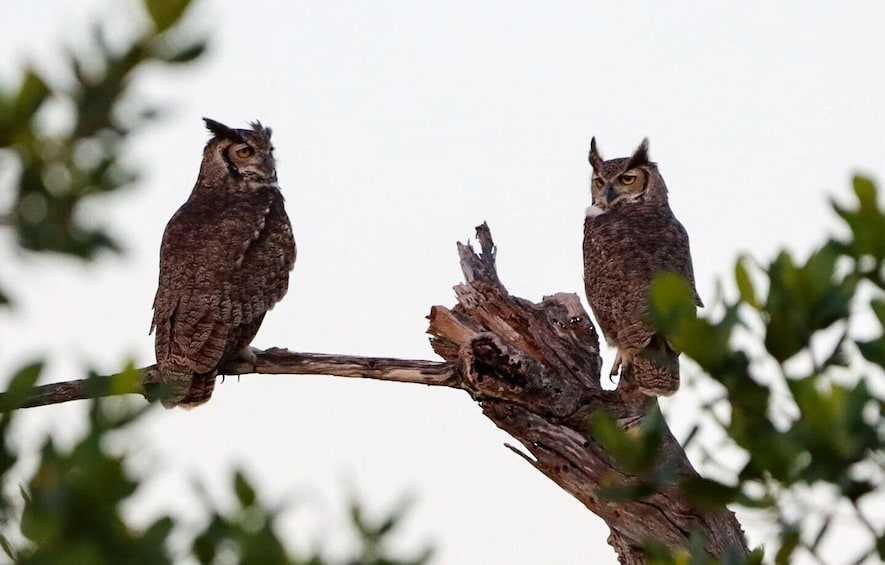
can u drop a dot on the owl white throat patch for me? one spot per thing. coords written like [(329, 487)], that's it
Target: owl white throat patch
[(593, 211)]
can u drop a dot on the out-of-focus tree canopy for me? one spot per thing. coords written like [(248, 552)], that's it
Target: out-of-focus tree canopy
[(70, 508), (799, 358), (798, 354)]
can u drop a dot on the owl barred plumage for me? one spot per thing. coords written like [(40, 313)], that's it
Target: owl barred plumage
[(224, 262), (631, 235)]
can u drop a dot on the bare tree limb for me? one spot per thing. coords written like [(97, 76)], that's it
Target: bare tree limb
[(274, 361), (534, 369)]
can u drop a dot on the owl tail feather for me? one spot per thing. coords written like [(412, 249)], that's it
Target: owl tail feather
[(656, 369), (200, 392), (188, 393), (654, 379)]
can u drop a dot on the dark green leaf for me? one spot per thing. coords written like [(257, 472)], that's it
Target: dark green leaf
[(878, 307), (21, 386), (873, 350), (707, 494), (245, 491), (636, 449), (7, 548), (696, 549), (158, 533), (804, 299), (865, 190), (606, 430), (866, 222), (831, 431), (771, 452), (858, 401), (672, 302), (31, 96), (127, 381), (204, 547), (789, 538), (744, 284), (674, 314), (165, 13), (181, 55), (756, 557)]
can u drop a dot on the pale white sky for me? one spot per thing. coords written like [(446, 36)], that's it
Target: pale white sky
[(399, 126)]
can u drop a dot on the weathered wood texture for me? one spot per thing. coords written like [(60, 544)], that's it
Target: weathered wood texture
[(534, 370), (273, 361)]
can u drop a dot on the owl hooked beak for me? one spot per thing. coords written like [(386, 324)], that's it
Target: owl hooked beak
[(600, 207), (611, 194)]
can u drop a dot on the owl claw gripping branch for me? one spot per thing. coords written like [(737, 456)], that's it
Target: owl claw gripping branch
[(631, 235), (224, 262)]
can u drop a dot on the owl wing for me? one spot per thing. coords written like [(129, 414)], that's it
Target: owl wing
[(262, 278), (680, 259), (669, 251), (622, 256), (205, 293)]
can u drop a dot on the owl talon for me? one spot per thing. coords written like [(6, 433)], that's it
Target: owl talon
[(616, 369), (250, 354), (616, 366)]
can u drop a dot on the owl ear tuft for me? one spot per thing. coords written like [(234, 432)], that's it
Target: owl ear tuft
[(640, 156), (258, 128), (595, 158), (222, 131)]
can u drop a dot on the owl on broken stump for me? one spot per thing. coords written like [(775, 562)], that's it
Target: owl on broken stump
[(631, 235)]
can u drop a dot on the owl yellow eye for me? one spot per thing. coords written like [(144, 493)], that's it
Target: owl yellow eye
[(628, 179), (245, 152), (598, 182)]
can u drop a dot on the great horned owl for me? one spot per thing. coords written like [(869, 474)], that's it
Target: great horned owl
[(224, 262), (631, 235)]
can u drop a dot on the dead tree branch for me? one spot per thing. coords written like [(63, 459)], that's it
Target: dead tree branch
[(274, 361), (534, 370)]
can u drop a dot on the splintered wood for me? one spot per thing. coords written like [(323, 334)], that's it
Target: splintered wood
[(535, 371)]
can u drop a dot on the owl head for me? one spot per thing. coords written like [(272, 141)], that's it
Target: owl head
[(624, 181), (244, 156)]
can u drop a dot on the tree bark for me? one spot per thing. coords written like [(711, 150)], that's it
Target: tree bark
[(534, 369)]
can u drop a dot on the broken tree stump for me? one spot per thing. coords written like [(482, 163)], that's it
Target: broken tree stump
[(534, 369)]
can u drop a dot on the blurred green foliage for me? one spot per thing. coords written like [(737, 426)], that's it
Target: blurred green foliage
[(70, 509), (803, 405), (800, 354), (58, 164)]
